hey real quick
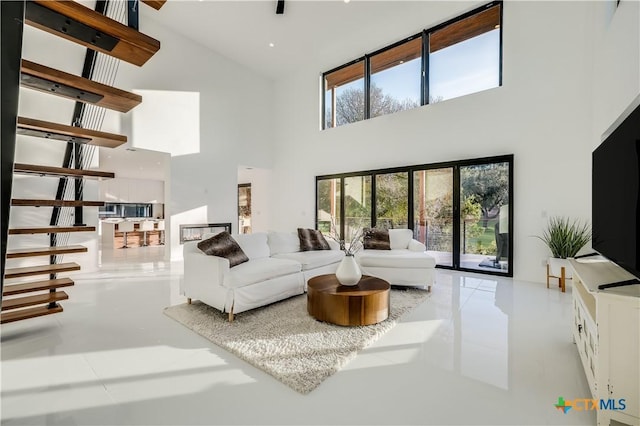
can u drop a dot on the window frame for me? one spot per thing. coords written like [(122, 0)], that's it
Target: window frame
[(456, 165), (426, 36)]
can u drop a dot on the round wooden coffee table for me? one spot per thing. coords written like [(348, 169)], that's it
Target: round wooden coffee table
[(363, 304)]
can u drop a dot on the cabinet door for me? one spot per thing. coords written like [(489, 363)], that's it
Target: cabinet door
[(624, 370)]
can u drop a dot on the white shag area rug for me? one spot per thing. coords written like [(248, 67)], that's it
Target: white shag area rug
[(283, 340)]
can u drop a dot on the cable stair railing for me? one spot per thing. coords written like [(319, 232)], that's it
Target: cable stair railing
[(110, 33)]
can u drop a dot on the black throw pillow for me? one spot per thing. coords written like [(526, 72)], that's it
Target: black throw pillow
[(312, 239), (376, 239), (223, 245)]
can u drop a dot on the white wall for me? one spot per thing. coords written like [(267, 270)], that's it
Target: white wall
[(127, 190), (236, 122), (617, 62), (569, 69), (542, 114), (236, 126)]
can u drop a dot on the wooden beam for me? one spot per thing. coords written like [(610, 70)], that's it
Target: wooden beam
[(10, 290), (29, 313), (38, 299), (45, 251), (55, 203), (465, 29), (110, 97), (41, 270), (51, 230), (33, 169), (131, 46), (48, 130), (156, 4)]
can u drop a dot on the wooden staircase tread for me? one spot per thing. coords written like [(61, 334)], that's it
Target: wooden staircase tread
[(38, 299), (156, 4), (60, 171), (29, 313), (69, 20), (51, 230), (45, 129), (26, 271), (32, 75), (45, 251), (55, 203), (29, 287)]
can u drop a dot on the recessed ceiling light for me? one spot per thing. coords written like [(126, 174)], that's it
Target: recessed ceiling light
[(347, 1), (271, 45)]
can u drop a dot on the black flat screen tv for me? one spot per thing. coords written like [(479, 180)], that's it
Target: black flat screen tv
[(616, 192)]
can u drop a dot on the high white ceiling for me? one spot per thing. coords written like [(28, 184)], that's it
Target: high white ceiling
[(332, 32)]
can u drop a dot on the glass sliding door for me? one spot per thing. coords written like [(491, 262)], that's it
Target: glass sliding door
[(357, 204), (392, 195), (484, 217), (328, 200), (433, 212), (462, 211)]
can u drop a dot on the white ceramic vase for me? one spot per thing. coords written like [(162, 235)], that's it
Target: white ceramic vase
[(348, 272)]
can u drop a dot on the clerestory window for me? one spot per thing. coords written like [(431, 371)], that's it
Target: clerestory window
[(456, 58)]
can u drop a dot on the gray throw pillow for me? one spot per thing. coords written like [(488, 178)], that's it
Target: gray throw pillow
[(376, 239), (223, 245), (312, 239)]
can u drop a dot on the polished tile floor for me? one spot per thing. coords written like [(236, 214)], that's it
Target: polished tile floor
[(481, 350)]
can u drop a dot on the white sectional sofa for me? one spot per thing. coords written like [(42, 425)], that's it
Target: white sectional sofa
[(276, 270), (406, 264)]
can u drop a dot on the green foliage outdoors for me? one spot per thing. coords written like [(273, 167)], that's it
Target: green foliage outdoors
[(484, 191), (565, 237)]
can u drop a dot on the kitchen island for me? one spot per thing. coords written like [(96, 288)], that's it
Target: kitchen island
[(113, 237)]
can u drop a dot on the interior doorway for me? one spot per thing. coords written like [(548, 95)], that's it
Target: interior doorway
[(244, 208)]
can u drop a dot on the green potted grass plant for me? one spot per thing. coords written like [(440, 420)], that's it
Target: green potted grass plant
[(565, 237)]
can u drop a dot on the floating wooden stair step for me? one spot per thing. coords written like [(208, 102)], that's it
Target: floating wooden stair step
[(156, 4), (49, 80), (19, 202), (33, 169), (10, 290), (77, 23), (41, 270), (51, 230), (45, 251), (47, 130), (38, 299), (29, 313)]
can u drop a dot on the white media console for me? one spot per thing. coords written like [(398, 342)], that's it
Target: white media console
[(606, 330)]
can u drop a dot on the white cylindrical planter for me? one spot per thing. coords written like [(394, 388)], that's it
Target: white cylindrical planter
[(348, 272)]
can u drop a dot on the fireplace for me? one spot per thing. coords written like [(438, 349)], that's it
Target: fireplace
[(194, 232)]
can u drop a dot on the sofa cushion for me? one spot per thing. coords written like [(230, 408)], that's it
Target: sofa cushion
[(254, 245), (312, 239), (259, 270), (313, 259), (223, 245), (398, 258), (399, 238), (376, 239), (283, 242)]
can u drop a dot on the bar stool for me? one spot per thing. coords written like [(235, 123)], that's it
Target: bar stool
[(161, 229), (146, 225), (124, 227)]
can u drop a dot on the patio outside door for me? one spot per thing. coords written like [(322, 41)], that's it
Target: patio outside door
[(462, 214)]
